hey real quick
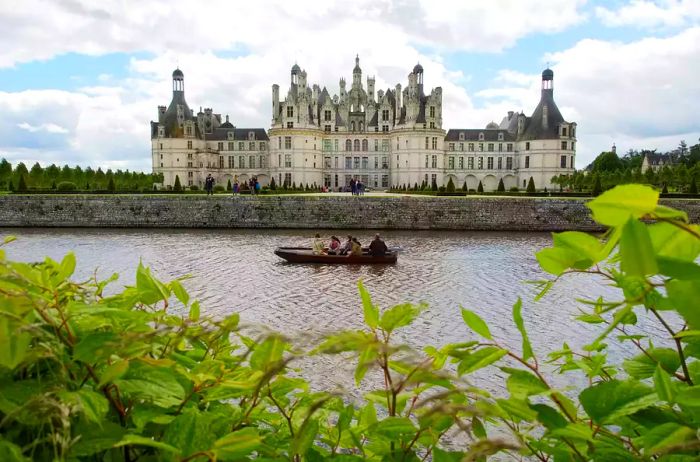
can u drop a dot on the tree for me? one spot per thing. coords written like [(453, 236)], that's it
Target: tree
[(22, 185), (501, 186), (607, 162), (531, 186), (597, 187), (110, 185), (664, 190), (434, 185), (53, 184), (273, 185), (650, 176), (177, 187), (450, 186), (480, 188), (464, 186), (693, 185)]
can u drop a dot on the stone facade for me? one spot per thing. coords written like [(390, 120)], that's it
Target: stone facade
[(309, 212), (393, 138)]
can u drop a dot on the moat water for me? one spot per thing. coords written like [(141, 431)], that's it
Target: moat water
[(236, 270)]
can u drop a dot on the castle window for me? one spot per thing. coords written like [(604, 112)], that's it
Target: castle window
[(327, 116), (426, 161), (451, 163), (433, 161), (471, 147), (262, 146), (251, 135), (481, 136), (489, 163), (376, 145), (230, 162), (432, 111), (427, 143), (385, 162), (461, 163), (251, 146), (288, 161), (161, 132), (432, 124), (509, 163), (220, 145), (161, 145), (161, 164), (189, 145), (221, 161), (327, 146), (452, 146), (500, 163), (461, 136), (327, 128), (188, 129), (527, 145), (241, 145), (348, 145), (290, 111), (229, 135), (385, 145), (348, 163), (356, 145), (251, 161), (385, 128), (572, 161), (230, 146), (287, 142), (470, 163), (241, 161), (189, 155), (365, 146), (356, 163), (161, 157), (563, 145), (352, 125), (572, 146), (563, 131), (481, 147), (562, 163), (262, 162), (500, 147), (500, 136), (461, 146), (480, 163), (527, 161), (190, 174), (385, 114), (290, 124), (490, 147), (434, 142), (365, 163), (509, 147)]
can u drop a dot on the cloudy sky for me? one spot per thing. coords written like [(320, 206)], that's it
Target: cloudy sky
[(81, 79)]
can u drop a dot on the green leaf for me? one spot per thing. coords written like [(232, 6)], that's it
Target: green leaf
[(689, 396), (364, 362), (394, 426), (180, 292), (574, 431), (194, 311), (521, 383), (190, 432), (643, 367), (636, 251), (113, 372), (519, 409), (10, 452), (67, 267), (371, 311), (305, 437), (478, 428), (670, 241), (616, 206), (663, 385), (440, 455), (607, 401), (476, 324), (684, 296), (14, 343), (238, 444), (268, 353), (399, 316), (549, 417), (149, 289), (518, 319), (662, 437), (138, 440), (479, 359), (677, 268), (556, 260), (96, 346), (581, 243)]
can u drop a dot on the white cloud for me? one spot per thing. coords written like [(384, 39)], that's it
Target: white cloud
[(646, 13), (40, 29), (48, 128)]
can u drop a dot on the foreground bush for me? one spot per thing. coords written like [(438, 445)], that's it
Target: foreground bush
[(86, 376), (66, 186)]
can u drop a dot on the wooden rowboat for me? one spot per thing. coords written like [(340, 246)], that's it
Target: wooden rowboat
[(306, 255)]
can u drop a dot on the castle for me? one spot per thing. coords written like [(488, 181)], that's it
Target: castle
[(392, 138)]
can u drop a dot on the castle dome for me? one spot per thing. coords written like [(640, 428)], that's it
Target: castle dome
[(547, 74), (417, 69), (492, 126), (177, 73), (296, 69)]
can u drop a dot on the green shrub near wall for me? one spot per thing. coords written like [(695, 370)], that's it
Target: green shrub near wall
[(66, 186)]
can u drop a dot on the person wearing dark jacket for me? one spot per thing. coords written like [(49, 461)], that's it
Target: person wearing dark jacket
[(377, 248)]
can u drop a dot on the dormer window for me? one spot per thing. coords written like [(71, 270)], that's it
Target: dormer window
[(229, 135), (563, 131), (161, 132), (481, 137), (461, 136), (251, 135), (500, 136)]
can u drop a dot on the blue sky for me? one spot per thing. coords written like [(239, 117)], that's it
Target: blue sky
[(80, 80)]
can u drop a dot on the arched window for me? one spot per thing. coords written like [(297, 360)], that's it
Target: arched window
[(461, 136), (352, 125), (481, 137), (362, 126), (364, 145), (356, 147), (348, 145)]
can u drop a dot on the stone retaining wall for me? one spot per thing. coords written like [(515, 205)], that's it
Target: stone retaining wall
[(302, 211)]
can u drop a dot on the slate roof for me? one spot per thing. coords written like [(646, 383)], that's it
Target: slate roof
[(534, 129), (239, 134), (472, 134)]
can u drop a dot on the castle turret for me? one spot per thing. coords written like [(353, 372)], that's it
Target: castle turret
[(275, 100), (357, 73)]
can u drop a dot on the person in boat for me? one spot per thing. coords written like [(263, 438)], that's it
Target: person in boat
[(334, 246), (317, 246), (356, 248), (377, 248), (347, 247)]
